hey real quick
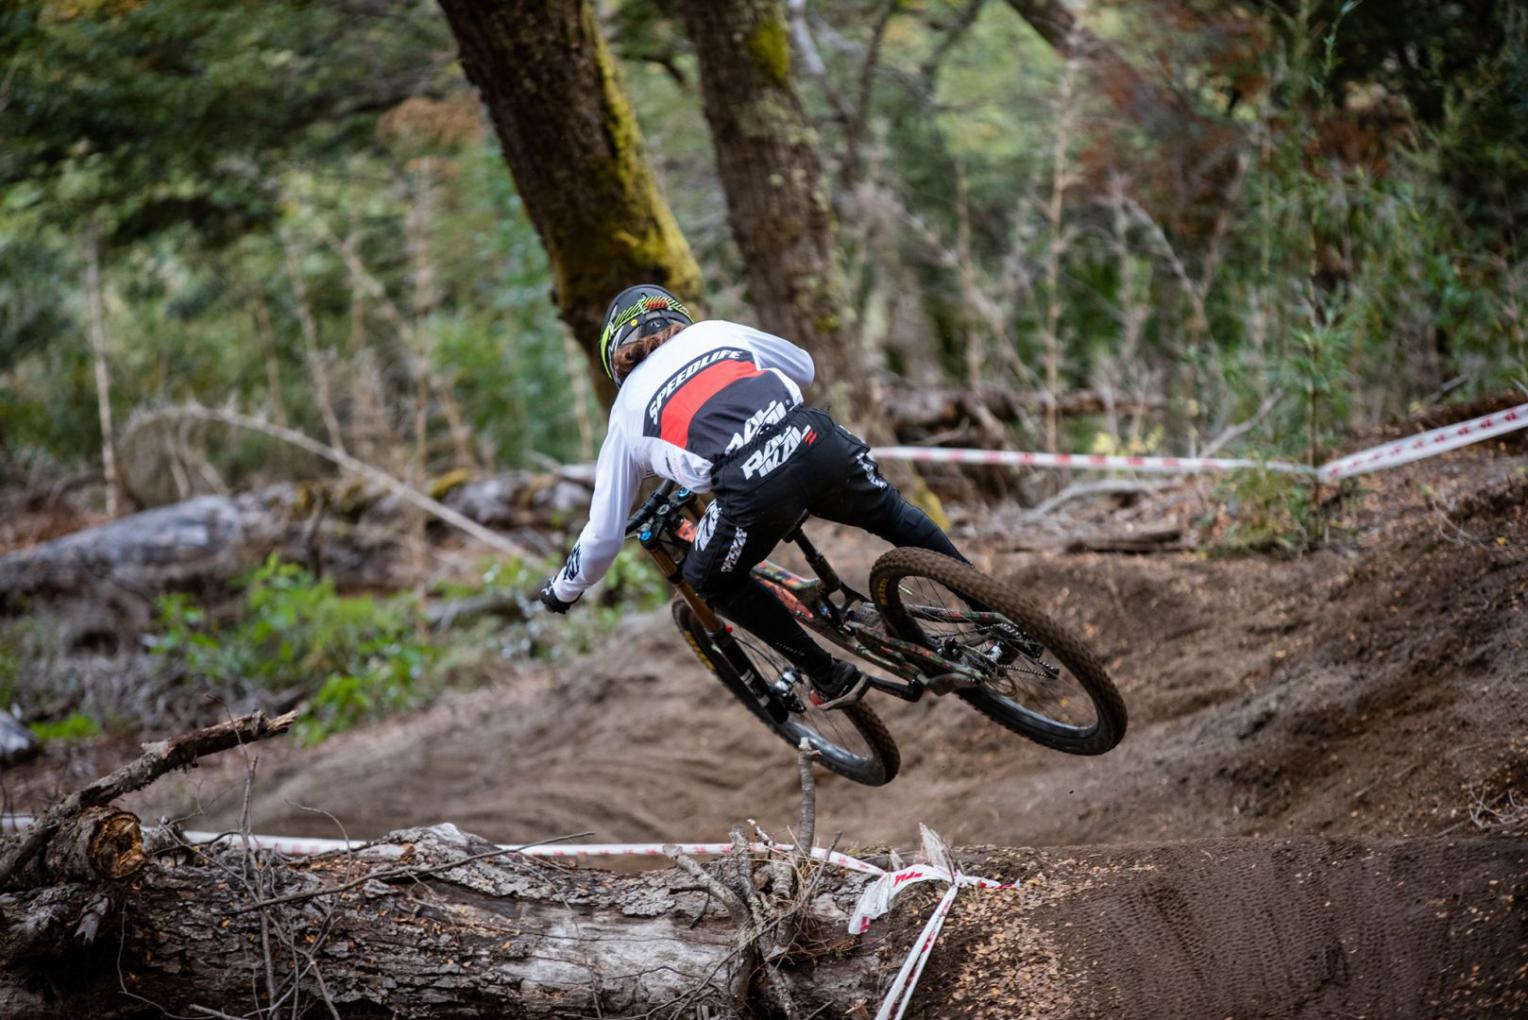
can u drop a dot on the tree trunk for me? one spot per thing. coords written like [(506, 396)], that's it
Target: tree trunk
[(1146, 103), (777, 201), (1197, 169), (496, 937), (411, 928), (553, 92)]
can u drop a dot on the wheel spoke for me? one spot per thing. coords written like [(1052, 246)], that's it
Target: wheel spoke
[(830, 732), (1017, 669)]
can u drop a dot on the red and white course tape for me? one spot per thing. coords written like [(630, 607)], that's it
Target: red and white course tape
[(874, 900), (300, 846), (1426, 444), (1080, 461)]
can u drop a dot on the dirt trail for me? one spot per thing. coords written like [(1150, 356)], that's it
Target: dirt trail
[(1355, 698), (1271, 929), (1374, 688)]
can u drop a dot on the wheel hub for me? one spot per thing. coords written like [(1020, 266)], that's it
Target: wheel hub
[(785, 691)]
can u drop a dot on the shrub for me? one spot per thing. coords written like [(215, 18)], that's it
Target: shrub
[(74, 726), (357, 656), (1261, 511)]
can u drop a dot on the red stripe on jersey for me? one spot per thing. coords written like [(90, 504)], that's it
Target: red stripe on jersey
[(688, 399)]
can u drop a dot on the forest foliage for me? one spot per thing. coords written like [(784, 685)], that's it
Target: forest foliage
[(298, 211), (1301, 216)]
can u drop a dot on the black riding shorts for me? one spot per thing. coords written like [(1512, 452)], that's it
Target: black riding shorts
[(807, 463)]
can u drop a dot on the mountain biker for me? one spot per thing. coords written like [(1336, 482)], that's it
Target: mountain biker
[(716, 407)]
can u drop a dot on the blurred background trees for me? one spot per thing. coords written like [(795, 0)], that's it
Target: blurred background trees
[(1125, 224)]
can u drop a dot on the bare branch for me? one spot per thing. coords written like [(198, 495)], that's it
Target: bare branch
[(156, 760), (1234, 432), (343, 460), (956, 31), (806, 830)]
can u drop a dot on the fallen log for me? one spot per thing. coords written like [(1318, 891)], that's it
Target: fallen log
[(157, 759), (103, 580), (433, 922), (427, 922), (496, 936), (1167, 538)]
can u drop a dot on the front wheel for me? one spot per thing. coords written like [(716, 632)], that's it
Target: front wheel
[(1035, 677), (851, 741)]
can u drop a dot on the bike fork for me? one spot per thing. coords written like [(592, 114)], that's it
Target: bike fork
[(720, 633)]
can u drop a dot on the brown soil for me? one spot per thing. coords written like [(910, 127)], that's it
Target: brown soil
[(1372, 690), (1272, 929)]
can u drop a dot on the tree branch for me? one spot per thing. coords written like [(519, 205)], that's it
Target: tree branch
[(156, 760), (345, 461)]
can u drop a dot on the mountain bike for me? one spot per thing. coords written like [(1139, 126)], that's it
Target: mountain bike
[(936, 625)]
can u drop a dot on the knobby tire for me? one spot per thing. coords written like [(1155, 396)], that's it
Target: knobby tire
[(877, 769), (964, 580)]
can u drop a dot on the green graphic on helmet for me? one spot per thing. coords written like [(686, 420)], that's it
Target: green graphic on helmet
[(637, 312)]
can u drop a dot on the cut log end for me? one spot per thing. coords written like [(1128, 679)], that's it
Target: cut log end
[(99, 843), (116, 850)]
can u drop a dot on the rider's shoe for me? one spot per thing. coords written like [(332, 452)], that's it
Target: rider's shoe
[(843, 685)]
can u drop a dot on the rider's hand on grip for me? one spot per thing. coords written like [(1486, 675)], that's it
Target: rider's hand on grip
[(551, 601)]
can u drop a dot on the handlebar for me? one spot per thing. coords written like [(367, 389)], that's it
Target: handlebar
[(650, 506)]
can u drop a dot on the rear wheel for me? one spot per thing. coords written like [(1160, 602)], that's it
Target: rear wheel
[(852, 740), (1036, 678)]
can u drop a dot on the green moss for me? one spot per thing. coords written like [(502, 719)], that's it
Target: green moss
[(640, 232), (829, 323), (771, 51), (442, 486)]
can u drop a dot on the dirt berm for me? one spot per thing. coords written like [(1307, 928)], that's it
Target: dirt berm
[(1371, 691), (1269, 929)]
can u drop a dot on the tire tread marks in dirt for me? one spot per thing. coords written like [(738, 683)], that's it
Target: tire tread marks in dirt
[(1278, 930)]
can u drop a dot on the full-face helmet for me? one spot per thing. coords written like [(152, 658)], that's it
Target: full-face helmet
[(637, 312)]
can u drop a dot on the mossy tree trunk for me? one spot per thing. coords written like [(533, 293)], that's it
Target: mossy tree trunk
[(552, 90), (777, 199)]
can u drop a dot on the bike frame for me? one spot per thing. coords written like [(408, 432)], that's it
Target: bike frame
[(669, 517)]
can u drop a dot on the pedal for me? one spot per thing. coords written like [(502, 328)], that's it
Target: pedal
[(854, 694)]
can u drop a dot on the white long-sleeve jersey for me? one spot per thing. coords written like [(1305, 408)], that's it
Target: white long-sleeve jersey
[(705, 392)]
